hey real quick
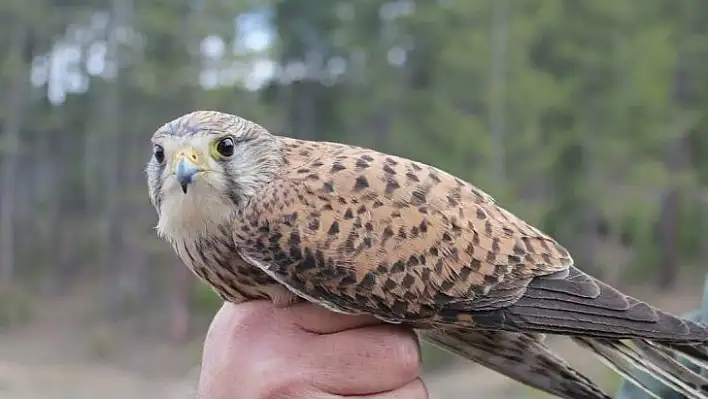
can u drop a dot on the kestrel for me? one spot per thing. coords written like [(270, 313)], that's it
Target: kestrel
[(261, 216)]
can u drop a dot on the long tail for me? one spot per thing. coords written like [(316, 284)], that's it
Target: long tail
[(629, 335), (523, 357), (636, 359)]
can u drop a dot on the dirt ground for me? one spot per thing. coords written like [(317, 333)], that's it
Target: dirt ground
[(52, 358)]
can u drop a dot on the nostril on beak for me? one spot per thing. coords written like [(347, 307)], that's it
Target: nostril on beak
[(192, 156)]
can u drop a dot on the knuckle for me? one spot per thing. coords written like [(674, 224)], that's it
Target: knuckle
[(407, 353)]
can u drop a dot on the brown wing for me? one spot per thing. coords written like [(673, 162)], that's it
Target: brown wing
[(361, 231), (391, 236)]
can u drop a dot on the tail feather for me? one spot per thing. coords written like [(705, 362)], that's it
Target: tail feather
[(695, 354), (666, 358), (632, 337), (647, 358), (621, 366), (522, 357)]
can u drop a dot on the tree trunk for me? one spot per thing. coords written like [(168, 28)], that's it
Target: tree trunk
[(668, 236), (15, 102), (675, 162), (113, 262), (497, 103)]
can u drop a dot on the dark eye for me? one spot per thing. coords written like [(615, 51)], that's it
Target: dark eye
[(158, 153), (226, 147)]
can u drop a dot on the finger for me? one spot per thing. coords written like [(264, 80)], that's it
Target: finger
[(364, 361), (413, 390), (316, 319)]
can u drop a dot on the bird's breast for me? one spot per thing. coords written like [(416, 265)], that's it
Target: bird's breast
[(215, 260)]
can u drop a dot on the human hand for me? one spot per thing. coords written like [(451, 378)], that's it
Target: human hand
[(255, 350)]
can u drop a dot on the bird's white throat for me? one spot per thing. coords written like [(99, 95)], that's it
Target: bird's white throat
[(188, 216)]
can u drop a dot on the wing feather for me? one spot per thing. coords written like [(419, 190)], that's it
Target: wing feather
[(401, 236)]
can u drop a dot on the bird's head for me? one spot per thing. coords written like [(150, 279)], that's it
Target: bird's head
[(205, 165)]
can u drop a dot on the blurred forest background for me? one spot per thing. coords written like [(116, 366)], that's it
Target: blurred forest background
[(587, 118)]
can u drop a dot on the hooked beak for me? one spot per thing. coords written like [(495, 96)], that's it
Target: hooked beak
[(187, 164)]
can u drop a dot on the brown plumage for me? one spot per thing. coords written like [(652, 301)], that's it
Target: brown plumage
[(359, 231)]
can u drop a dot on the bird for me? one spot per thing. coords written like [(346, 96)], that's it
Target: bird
[(257, 215)]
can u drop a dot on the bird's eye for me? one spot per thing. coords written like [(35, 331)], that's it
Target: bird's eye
[(226, 147), (158, 153)]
